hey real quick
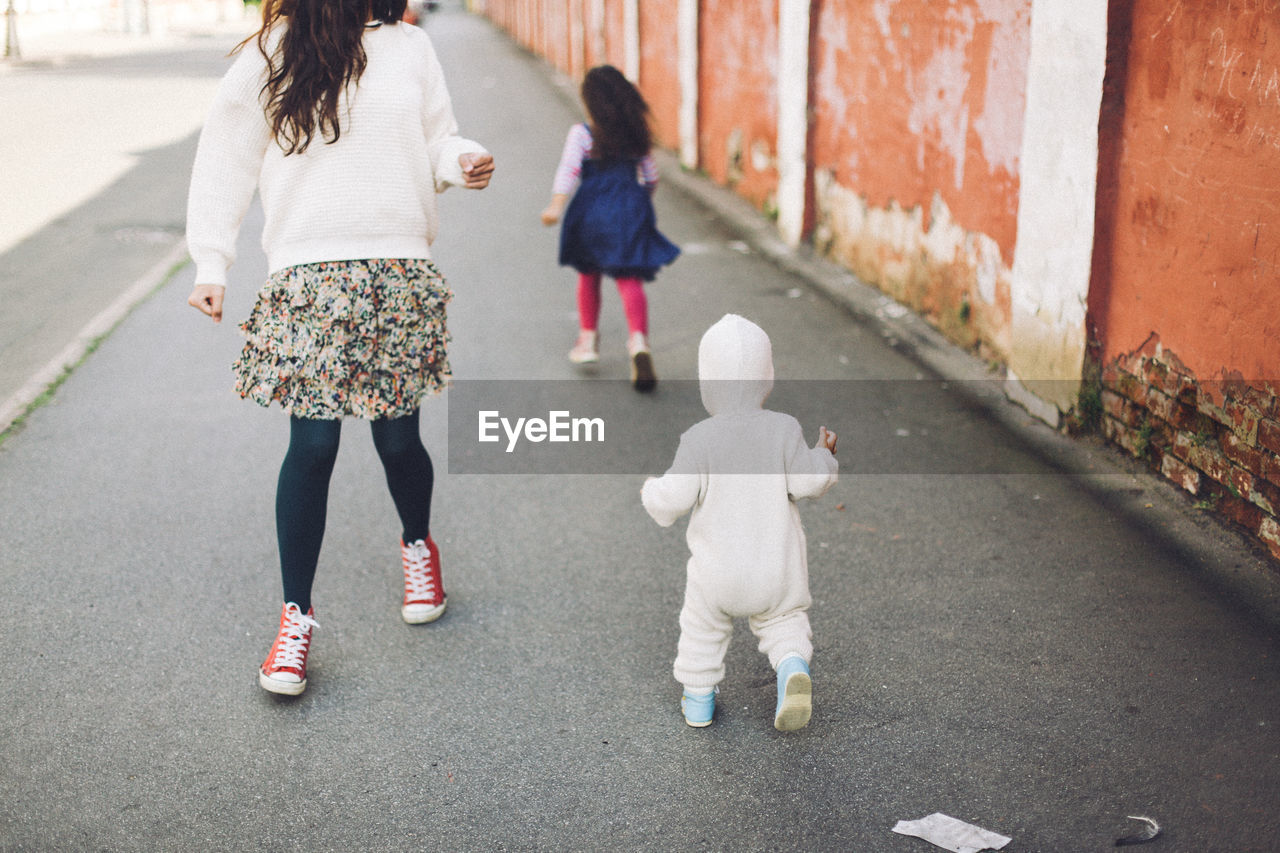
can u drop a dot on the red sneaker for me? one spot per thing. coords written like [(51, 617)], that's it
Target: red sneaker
[(285, 669), (423, 591)]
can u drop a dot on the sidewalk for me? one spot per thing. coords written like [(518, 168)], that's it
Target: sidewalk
[(100, 127)]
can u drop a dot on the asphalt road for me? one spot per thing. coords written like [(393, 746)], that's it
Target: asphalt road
[(1011, 629)]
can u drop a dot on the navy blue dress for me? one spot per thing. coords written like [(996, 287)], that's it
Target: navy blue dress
[(610, 226)]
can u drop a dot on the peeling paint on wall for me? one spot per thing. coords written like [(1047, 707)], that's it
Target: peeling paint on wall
[(955, 277), (917, 135), (738, 117), (913, 98)]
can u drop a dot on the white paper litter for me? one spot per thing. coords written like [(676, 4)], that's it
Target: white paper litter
[(952, 834)]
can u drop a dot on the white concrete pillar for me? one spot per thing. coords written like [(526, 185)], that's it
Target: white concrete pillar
[(1058, 185), (793, 117), (687, 38), (631, 39)]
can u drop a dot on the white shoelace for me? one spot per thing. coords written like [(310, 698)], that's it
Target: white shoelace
[(418, 582), (295, 638)]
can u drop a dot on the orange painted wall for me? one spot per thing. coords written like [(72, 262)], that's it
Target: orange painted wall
[(614, 36), (555, 36), (549, 28), (1193, 252), (738, 81), (660, 69), (918, 96)]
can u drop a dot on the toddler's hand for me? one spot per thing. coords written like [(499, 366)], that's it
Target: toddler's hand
[(827, 439)]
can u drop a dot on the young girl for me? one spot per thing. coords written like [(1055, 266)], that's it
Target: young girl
[(341, 120), (610, 226)]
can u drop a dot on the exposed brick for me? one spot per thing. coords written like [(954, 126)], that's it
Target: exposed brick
[(1261, 500), (1155, 373), (1219, 437), (1241, 453), (1206, 406), (1269, 435), (1266, 495), (1209, 459), (1242, 420), (1244, 484), (1128, 386), (1186, 416), (1171, 410), (1260, 400), (1169, 380), (1240, 511), (1119, 408), (1269, 532), (1202, 424), (1160, 404), (1156, 453), (1183, 441), (1133, 388), (1181, 473), (1132, 363), (1187, 390), (1271, 468), (1122, 435)]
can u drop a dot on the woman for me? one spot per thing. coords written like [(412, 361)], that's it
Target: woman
[(341, 120)]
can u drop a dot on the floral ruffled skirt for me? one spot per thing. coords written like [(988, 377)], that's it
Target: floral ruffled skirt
[(365, 338)]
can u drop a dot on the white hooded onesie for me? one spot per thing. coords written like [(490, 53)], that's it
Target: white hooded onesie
[(740, 472)]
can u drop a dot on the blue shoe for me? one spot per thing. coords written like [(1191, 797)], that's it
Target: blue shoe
[(698, 710), (795, 695)]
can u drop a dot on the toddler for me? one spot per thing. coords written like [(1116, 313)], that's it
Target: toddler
[(739, 473)]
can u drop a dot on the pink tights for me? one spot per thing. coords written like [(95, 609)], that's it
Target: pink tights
[(634, 303)]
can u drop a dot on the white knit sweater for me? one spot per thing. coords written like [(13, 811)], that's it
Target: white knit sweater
[(369, 195)]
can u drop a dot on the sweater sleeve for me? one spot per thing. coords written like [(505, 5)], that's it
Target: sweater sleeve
[(810, 471), (226, 169), (444, 145), (670, 496)]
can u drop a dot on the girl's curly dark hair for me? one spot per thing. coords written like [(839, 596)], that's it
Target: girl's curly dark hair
[(618, 115), (318, 55)]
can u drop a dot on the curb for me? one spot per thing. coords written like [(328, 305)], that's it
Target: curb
[(22, 401)]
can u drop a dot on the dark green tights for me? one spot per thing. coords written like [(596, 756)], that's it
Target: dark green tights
[(303, 491)]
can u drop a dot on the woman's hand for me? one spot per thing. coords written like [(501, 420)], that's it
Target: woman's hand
[(207, 298), (477, 168)]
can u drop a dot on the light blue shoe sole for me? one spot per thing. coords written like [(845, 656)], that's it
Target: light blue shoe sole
[(797, 703)]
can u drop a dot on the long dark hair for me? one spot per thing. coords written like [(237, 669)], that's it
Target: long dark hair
[(618, 115), (320, 53)]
